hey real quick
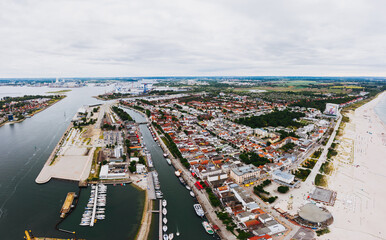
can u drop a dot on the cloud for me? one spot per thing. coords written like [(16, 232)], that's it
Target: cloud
[(63, 38)]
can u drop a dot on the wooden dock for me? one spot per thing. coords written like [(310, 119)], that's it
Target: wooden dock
[(160, 220)]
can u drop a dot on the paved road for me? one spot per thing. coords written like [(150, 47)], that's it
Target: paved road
[(323, 157)]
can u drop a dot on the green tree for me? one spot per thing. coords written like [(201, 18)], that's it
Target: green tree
[(283, 189)]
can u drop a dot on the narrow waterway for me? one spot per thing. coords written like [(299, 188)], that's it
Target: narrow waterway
[(181, 214), (24, 148)]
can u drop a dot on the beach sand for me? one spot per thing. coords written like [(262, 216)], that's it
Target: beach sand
[(360, 178)]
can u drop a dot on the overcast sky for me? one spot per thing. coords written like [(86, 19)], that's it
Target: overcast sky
[(81, 38)]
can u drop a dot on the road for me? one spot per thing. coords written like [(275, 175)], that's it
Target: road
[(323, 157)]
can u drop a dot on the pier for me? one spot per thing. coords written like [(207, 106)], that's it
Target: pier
[(160, 221), (150, 186), (94, 208)]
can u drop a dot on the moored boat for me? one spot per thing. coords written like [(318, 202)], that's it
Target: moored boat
[(165, 220), (182, 180), (164, 228), (166, 237), (207, 227), (159, 194), (164, 211), (199, 211), (192, 194), (171, 236), (164, 203)]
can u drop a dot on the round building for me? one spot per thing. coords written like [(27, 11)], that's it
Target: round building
[(314, 217)]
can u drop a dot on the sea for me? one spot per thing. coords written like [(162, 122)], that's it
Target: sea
[(380, 109)]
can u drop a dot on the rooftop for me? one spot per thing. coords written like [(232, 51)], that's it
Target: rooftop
[(239, 171), (323, 195), (284, 175), (314, 214)]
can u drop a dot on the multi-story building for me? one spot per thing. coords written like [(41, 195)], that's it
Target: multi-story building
[(245, 174)]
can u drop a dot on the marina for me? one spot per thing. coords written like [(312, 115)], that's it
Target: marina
[(95, 208)]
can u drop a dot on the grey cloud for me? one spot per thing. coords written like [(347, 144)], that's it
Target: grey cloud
[(45, 38)]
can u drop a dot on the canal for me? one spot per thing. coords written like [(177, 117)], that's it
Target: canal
[(24, 148), (181, 215)]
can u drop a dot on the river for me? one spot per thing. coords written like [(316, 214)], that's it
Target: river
[(181, 214), (24, 148)]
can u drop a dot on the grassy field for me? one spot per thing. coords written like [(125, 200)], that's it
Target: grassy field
[(61, 91)]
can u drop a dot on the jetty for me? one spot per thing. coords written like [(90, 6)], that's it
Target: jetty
[(160, 221), (94, 207)]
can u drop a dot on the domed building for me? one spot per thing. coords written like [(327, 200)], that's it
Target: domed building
[(314, 217)]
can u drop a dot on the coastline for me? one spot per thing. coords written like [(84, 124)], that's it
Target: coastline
[(144, 228), (33, 113), (359, 170)]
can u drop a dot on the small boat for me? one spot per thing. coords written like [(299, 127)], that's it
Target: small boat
[(168, 160), (158, 194), (199, 211), (192, 194), (178, 173), (182, 180), (207, 227), (171, 236), (165, 155), (164, 228), (187, 187), (164, 203), (166, 237), (165, 220), (164, 211)]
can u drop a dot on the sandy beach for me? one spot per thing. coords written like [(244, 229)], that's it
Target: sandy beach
[(360, 172)]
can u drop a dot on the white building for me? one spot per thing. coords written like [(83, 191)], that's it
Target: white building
[(118, 150), (106, 174), (245, 174), (140, 168), (283, 176)]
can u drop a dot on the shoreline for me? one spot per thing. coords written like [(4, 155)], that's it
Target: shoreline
[(359, 169), (144, 228), (32, 114)]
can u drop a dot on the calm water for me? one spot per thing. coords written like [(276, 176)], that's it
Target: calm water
[(24, 148), (380, 109), (181, 214)]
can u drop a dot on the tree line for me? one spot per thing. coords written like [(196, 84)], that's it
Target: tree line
[(273, 119)]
